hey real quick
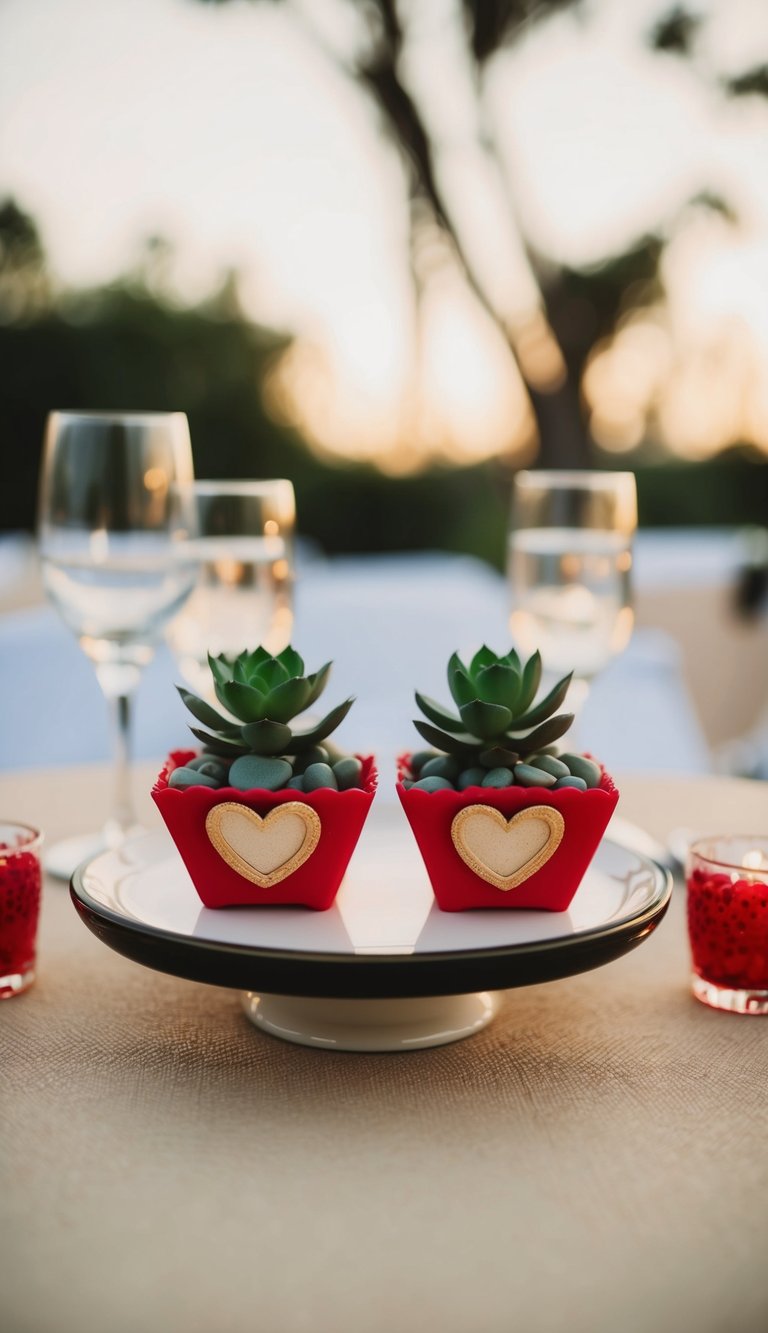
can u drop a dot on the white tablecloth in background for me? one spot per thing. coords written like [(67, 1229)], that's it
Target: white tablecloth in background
[(389, 624)]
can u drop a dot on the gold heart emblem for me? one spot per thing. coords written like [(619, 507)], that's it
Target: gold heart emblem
[(264, 851), (507, 852)]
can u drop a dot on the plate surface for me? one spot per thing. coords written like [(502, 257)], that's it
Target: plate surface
[(383, 937)]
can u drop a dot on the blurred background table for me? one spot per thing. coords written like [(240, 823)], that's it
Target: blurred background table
[(593, 1161), (389, 623)]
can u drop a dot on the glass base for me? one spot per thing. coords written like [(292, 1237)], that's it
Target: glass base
[(63, 857), (15, 983), (724, 997)]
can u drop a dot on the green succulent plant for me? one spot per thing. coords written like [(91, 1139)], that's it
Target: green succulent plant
[(499, 735), (254, 743)]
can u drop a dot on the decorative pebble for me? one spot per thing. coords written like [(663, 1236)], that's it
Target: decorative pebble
[(442, 766), (181, 778), (297, 783), (348, 772), (319, 775), (213, 769), (471, 777), (420, 758), (581, 767), (528, 776), (578, 784), (255, 770), (432, 784), (550, 764), (315, 754), (498, 757), (498, 777)]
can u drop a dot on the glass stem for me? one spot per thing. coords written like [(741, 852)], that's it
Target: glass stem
[(119, 683), (123, 816)]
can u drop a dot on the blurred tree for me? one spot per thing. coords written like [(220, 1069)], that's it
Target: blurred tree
[(551, 335), (24, 286), (129, 347)]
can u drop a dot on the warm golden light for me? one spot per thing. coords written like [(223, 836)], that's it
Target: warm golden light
[(463, 402), (156, 480), (541, 360)]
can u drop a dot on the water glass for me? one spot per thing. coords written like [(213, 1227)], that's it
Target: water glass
[(115, 519), (20, 885), (570, 561), (244, 594)]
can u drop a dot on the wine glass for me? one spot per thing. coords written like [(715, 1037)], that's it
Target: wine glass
[(244, 595), (569, 566), (116, 514)]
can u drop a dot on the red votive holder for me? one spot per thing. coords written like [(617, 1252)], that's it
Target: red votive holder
[(20, 882), (727, 880)]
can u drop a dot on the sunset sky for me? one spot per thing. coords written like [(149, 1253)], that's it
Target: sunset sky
[(229, 131)]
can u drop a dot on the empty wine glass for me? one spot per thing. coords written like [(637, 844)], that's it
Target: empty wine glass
[(570, 564), (116, 514), (244, 595)]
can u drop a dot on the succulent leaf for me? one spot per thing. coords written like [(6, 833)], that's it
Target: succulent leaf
[(463, 689), (497, 756), (219, 744), (288, 699), (271, 674), (437, 714), (545, 734), (240, 671), (547, 706), (488, 721), (246, 702), (484, 657), (221, 669), (266, 737), (206, 714), (219, 687), (499, 684), (455, 664), (253, 660), (293, 663), (300, 739), (317, 683), (462, 745), (530, 682)]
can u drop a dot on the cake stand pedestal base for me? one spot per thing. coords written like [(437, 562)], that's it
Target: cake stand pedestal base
[(372, 1025)]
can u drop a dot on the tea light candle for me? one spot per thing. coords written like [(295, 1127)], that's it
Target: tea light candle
[(727, 879)]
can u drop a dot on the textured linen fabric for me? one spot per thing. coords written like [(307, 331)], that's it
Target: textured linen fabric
[(594, 1160)]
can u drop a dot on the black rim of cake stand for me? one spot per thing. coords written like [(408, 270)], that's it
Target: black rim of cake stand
[(369, 976)]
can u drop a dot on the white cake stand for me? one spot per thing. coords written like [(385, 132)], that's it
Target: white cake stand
[(384, 969)]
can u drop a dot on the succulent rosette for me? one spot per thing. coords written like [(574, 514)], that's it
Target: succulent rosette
[(268, 811), (504, 817)]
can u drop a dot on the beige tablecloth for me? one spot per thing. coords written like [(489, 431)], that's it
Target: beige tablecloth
[(596, 1159)]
